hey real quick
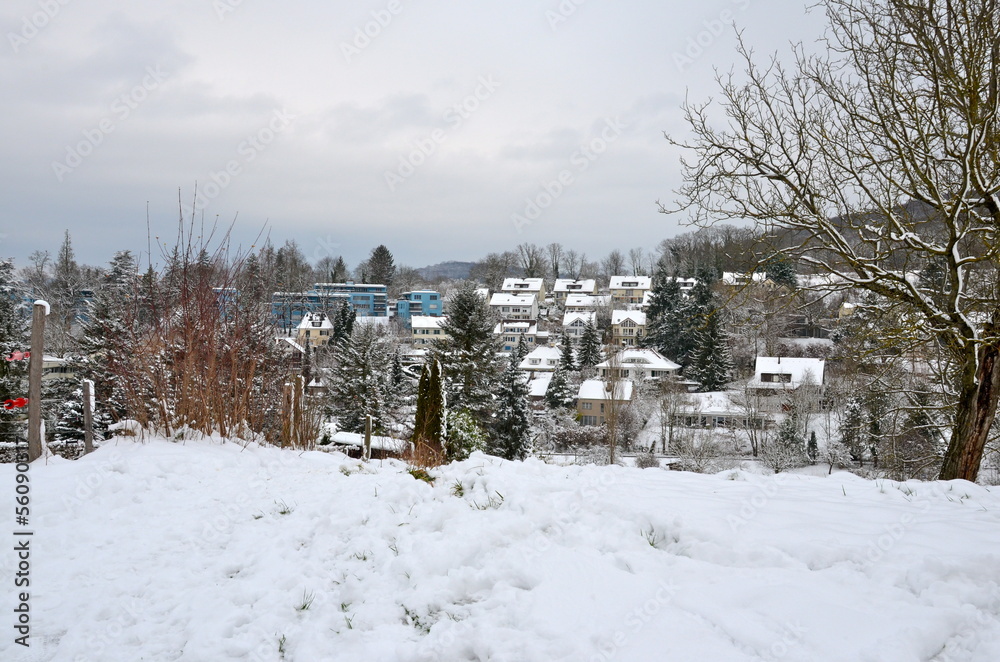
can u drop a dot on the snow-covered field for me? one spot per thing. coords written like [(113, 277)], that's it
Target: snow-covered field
[(209, 551)]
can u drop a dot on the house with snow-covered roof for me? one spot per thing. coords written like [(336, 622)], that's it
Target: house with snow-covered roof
[(425, 329), (629, 290), (783, 373), (541, 359), (514, 306), (628, 327), (315, 330), (574, 323), (512, 331), (586, 302), (638, 364), (595, 397), (563, 287), (534, 286)]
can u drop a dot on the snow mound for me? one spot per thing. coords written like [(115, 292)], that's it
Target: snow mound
[(210, 551)]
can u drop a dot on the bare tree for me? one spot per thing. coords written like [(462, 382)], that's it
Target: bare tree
[(882, 156), (613, 265), (493, 268), (570, 264), (532, 259), (637, 262), (555, 251)]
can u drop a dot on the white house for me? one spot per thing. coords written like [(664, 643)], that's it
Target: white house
[(541, 359), (514, 306), (639, 364), (565, 286), (574, 323), (586, 302), (534, 286), (627, 327), (629, 290), (512, 332), (426, 329), (786, 373), (315, 330)]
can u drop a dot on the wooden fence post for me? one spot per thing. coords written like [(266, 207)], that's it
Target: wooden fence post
[(40, 310), (88, 417), (367, 454)]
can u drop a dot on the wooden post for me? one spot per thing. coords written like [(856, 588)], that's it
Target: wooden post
[(88, 417), (38, 314), (368, 438)]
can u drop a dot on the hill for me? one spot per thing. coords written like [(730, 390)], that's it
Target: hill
[(209, 551)]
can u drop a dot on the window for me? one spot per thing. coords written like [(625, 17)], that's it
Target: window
[(588, 420), (586, 405)]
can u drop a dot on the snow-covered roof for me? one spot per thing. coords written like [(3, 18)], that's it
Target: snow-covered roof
[(594, 389), (316, 321), (583, 317), (427, 321), (714, 402), (737, 278), (483, 292), (516, 327), (798, 371), (541, 358), (630, 282), (583, 286), (523, 285), (290, 341), (647, 359), (538, 386), (505, 299), (586, 300), (637, 316)]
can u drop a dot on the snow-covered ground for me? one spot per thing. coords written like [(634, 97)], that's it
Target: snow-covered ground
[(209, 551)]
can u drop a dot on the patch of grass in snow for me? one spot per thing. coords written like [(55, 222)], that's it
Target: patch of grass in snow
[(415, 621), (283, 508), (421, 474), (307, 600), (282, 640), (652, 537), (491, 502), (457, 489)]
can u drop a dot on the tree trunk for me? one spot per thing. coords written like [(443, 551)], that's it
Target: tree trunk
[(977, 407)]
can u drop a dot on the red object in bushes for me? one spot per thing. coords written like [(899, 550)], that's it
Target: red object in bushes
[(15, 404)]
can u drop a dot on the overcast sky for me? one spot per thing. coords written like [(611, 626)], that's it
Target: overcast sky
[(428, 126)]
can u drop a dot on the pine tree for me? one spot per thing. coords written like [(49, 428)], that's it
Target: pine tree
[(13, 337), (566, 356), (512, 425), (781, 271), (398, 376), (711, 363), (468, 354), (521, 350), (429, 426), (360, 384), (670, 319), (852, 430), (812, 448), (559, 394), (68, 424), (343, 323), (64, 292), (589, 353), (381, 267)]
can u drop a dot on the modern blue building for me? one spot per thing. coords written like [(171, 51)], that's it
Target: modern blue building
[(367, 299), (419, 302)]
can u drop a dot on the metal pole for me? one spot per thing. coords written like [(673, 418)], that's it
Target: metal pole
[(35, 380)]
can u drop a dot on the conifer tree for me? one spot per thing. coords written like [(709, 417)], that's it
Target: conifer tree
[(13, 338), (361, 386), (397, 369), (589, 353), (468, 354), (381, 266), (465, 436), (429, 427), (566, 357), (711, 362), (812, 448), (521, 350), (512, 425), (559, 394)]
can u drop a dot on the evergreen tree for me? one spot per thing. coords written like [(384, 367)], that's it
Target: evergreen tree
[(559, 394), (465, 436), (67, 279), (512, 425), (521, 350), (589, 353), (711, 363), (13, 337), (398, 376), (812, 448), (671, 319), (785, 451), (852, 429), (468, 354), (338, 274), (781, 271), (566, 356), (429, 427), (68, 414), (307, 362), (360, 384), (343, 323), (381, 267)]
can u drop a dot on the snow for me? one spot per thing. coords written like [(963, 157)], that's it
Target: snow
[(619, 316), (381, 443), (44, 304), (596, 389), (211, 551), (799, 370)]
